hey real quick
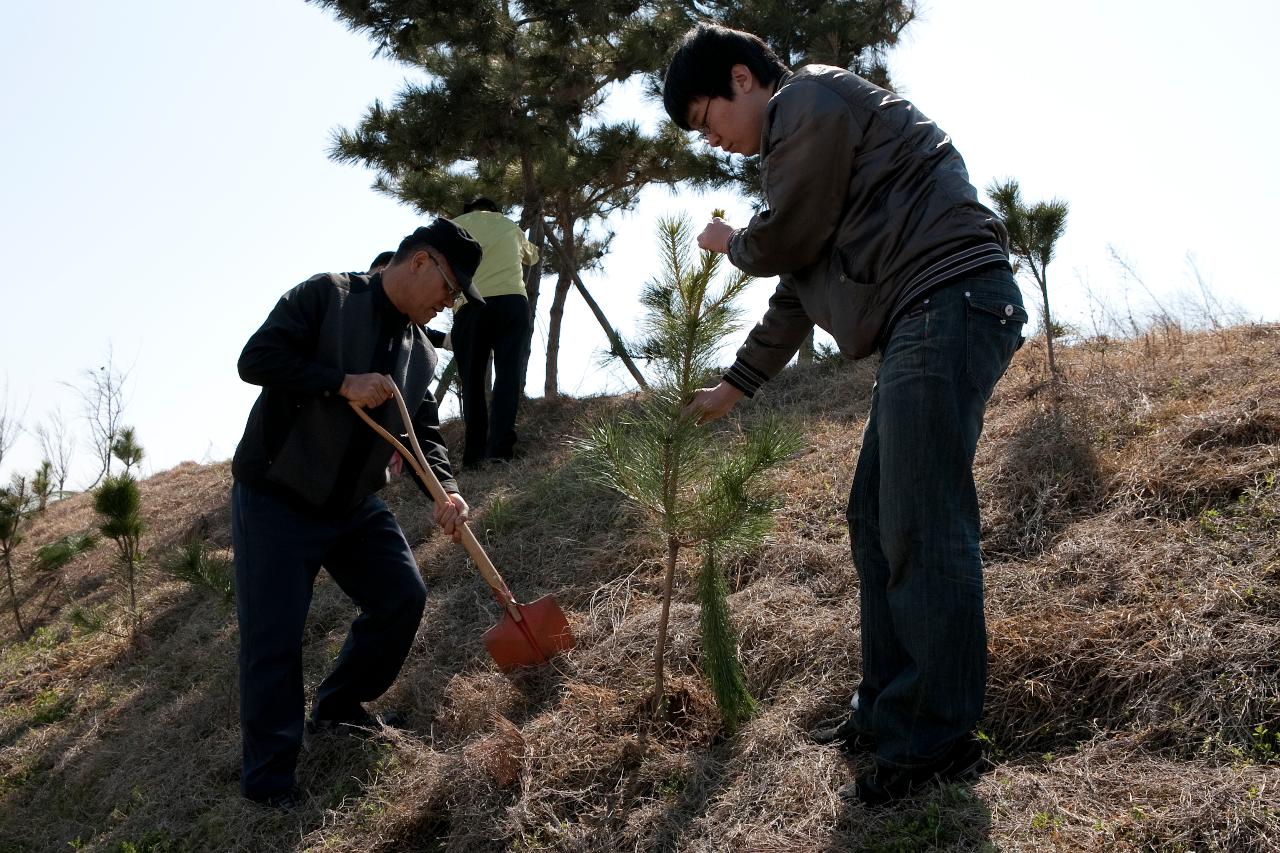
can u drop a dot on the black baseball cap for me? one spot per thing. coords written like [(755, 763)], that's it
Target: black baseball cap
[(459, 248)]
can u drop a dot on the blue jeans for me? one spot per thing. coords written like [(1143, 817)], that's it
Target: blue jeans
[(278, 553), (913, 518)]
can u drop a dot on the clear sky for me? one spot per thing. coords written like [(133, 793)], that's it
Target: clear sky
[(164, 177)]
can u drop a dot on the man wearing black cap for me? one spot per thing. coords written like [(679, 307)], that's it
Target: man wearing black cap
[(306, 473)]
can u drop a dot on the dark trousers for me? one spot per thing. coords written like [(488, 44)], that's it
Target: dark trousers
[(498, 327), (913, 518), (278, 553)]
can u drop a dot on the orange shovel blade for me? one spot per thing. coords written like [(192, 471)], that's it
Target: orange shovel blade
[(544, 632)]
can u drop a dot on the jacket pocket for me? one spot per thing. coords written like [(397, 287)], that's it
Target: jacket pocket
[(853, 305), (855, 313)]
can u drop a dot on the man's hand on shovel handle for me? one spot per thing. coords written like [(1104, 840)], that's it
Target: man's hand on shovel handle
[(450, 516), (368, 389)]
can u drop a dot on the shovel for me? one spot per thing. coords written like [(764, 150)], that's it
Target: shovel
[(528, 634)]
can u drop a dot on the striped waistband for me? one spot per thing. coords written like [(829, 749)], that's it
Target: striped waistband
[(948, 268)]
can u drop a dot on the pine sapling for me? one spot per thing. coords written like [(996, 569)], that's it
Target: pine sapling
[(125, 447), (42, 485), (1034, 231), (52, 558), (119, 503), (193, 563), (13, 506), (699, 487)]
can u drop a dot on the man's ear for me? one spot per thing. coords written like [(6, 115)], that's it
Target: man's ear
[(742, 80)]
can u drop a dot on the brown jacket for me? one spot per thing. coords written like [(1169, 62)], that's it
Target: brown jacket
[(869, 207)]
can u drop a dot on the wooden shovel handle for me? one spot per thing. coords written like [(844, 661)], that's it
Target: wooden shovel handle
[(418, 460)]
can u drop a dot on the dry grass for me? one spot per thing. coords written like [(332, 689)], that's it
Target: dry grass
[(1134, 615)]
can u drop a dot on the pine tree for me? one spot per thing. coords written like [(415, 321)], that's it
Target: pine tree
[(13, 506), (852, 35), (42, 484), (604, 175), (1034, 230), (125, 448), (700, 490), (509, 110), (119, 506), (511, 105)]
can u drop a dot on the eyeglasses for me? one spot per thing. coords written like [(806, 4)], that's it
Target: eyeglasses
[(453, 289), (700, 127)]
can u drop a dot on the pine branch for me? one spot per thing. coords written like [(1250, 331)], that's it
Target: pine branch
[(719, 660)]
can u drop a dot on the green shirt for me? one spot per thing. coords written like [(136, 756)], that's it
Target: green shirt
[(505, 249)]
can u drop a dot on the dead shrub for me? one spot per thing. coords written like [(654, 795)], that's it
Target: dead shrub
[(1205, 462), (1039, 474)]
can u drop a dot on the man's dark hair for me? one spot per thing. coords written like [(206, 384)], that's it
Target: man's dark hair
[(702, 66), (382, 260), (453, 243), (412, 244), (480, 203)]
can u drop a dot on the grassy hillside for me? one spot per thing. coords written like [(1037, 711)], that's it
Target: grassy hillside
[(1133, 553)]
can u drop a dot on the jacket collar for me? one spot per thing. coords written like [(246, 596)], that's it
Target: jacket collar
[(386, 310)]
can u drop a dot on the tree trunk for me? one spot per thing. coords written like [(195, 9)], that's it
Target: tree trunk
[(659, 684), (446, 379), (13, 595), (806, 349), (1048, 328), (133, 598), (568, 249), (533, 289), (551, 386), (531, 218), (670, 499), (615, 343)]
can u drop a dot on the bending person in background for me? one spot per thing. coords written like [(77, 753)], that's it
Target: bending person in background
[(878, 237), (306, 476), (380, 262), (496, 329)]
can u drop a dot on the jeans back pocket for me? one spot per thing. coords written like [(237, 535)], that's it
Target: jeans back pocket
[(993, 334)]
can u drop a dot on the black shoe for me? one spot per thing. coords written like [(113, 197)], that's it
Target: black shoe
[(962, 762), (365, 725), (843, 733), (285, 801)]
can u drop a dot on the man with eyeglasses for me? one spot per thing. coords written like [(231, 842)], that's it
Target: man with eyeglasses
[(878, 237), (304, 496)]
